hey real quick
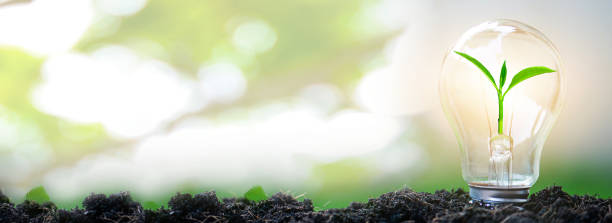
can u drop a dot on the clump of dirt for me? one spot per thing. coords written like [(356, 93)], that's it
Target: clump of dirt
[(100, 208), (28, 211), (398, 206), (203, 207), (35, 212), (549, 205), (555, 204), (3, 198)]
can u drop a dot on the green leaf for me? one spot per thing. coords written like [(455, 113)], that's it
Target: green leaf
[(37, 194), (502, 76), (256, 193), (526, 74), (480, 66)]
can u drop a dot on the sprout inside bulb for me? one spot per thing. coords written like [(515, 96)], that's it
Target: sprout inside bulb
[(501, 87)]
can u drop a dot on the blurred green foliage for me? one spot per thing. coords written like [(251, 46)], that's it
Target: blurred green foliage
[(19, 73), (150, 205), (318, 41)]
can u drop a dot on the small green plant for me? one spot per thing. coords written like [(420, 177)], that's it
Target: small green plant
[(38, 194), (256, 193), (518, 78)]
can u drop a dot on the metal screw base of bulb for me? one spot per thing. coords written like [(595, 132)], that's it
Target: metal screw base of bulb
[(495, 195)]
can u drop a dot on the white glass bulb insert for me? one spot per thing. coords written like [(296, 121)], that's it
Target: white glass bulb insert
[(501, 121)]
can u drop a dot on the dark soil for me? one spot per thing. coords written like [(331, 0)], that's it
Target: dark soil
[(549, 205)]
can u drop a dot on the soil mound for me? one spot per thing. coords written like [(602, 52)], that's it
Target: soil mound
[(549, 205)]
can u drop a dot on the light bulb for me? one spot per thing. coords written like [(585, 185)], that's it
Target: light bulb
[(501, 130)]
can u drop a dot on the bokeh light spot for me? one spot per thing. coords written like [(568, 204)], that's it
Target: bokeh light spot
[(222, 82), (254, 37)]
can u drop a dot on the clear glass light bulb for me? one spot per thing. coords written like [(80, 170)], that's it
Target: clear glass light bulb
[(501, 136)]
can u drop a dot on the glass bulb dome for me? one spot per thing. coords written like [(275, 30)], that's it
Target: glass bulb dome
[(501, 135)]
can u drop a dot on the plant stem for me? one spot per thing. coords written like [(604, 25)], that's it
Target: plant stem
[(500, 118)]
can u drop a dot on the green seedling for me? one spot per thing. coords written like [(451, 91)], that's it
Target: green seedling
[(518, 78), (38, 194), (256, 193)]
